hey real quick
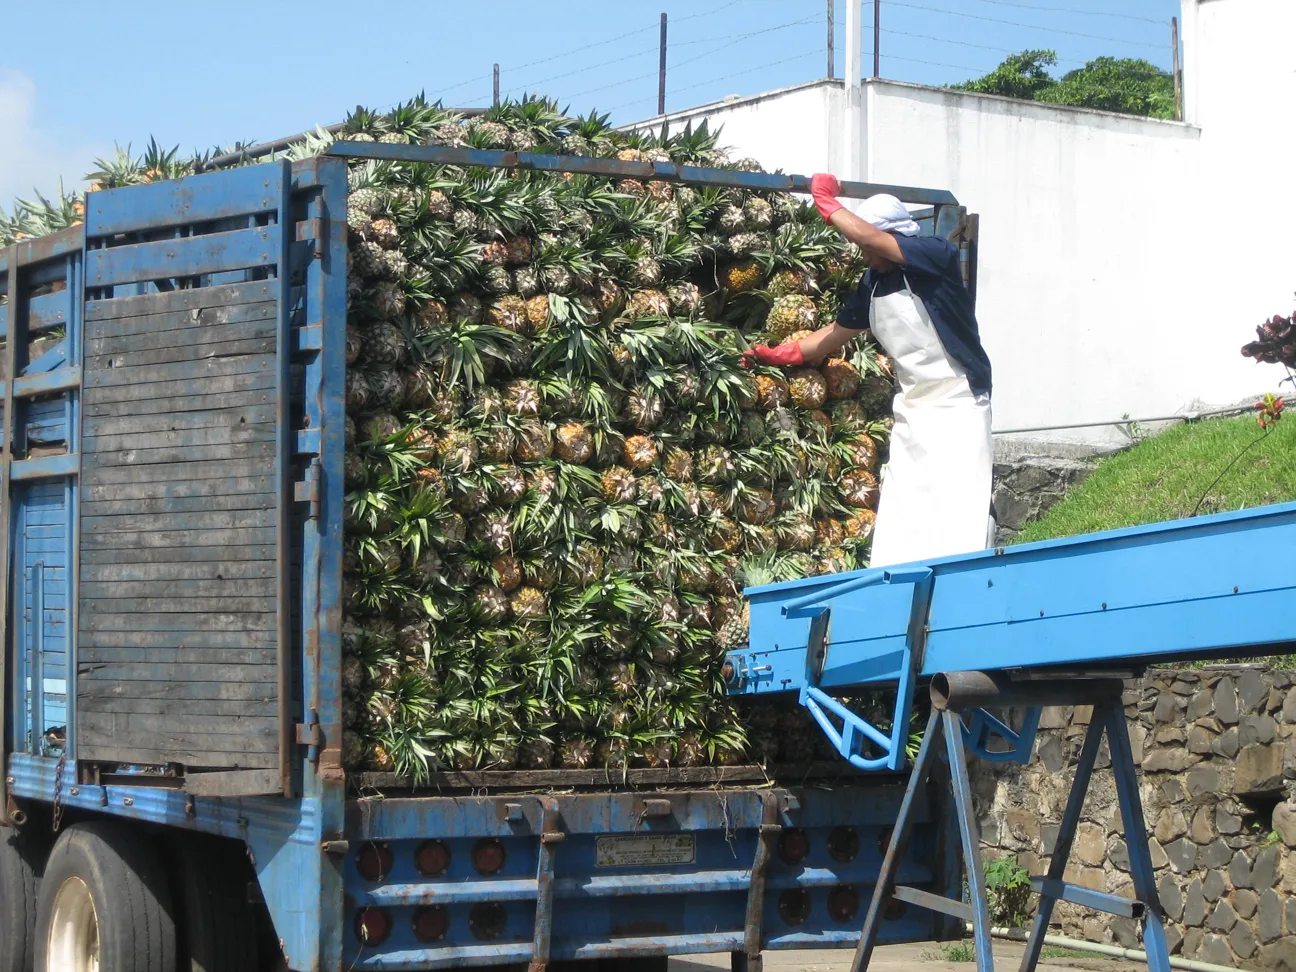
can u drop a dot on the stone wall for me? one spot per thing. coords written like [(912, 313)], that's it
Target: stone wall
[(1026, 486), (1217, 756)]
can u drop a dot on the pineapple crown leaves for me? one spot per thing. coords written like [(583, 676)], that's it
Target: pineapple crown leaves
[(693, 144), (364, 121), (461, 349)]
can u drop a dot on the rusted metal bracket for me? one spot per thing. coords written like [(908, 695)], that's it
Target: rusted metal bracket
[(551, 835), (772, 803)]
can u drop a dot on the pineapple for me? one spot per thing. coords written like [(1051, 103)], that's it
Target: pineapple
[(528, 604), (842, 378), (648, 303), (756, 506), (522, 398), (536, 311), (677, 465), (619, 485), (497, 444), (573, 443), (745, 244), (758, 214), (807, 388), (771, 392), (731, 623), (786, 282), (517, 251), (644, 409), (490, 604), (383, 344), (510, 313), (858, 488), (859, 524), (640, 452), (534, 442), (738, 278), (789, 314), (576, 754), (458, 451), (715, 465), (685, 299)]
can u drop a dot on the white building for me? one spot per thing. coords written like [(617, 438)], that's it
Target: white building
[(1123, 261)]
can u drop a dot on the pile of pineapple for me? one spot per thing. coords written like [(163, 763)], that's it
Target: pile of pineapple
[(559, 474)]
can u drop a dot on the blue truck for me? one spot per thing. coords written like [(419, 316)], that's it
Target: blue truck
[(171, 549)]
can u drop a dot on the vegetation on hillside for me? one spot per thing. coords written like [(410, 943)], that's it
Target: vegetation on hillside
[(1128, 85)]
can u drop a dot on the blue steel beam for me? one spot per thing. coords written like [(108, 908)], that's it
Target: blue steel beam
[(616, 169)]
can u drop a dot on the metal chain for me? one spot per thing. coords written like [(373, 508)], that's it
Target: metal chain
[(58, 790)]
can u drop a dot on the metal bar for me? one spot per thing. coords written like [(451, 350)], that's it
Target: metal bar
[(550, 837), (933, 902), (37, 692), (75, 337), (661, 69), (1136, 840), (914, 576), (971, 839), (753, 925), (8, 734), (1112, 904), (1174, 60), (284, 442), (974, 690), (616, 169), (899, 837), (495, 87), (1065, 837), (877, 37)]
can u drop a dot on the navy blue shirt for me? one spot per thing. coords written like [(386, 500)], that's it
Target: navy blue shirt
[(932, 267)]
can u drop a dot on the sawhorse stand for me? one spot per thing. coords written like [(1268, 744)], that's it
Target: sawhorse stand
[(968, 692)]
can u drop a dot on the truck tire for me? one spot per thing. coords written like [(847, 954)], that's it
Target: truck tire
[(215, 924), (648, 963), (104, 904), (21, 863)]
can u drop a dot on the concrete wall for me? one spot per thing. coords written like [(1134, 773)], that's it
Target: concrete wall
[(1120, 268)]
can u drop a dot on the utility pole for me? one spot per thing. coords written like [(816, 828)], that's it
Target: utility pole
[(495, 99), (853, 109), (661, 70), (1178, 81), (831, 53), (877, 38)]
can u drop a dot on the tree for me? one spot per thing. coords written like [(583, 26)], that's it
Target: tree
[(1128, 85)]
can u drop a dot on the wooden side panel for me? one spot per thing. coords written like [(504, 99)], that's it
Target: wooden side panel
[(178, 602)]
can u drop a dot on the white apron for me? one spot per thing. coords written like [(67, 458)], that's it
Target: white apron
[(935, 499)]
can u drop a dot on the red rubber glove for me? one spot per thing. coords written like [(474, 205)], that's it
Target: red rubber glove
[(825, 189), (784, 356)]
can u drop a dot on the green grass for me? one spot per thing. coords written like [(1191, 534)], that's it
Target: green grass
[(951, 952), (1164, 477), (1053, 952)]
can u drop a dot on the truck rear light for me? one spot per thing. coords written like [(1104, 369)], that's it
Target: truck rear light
[(372, 926), (843, 903), (487, 921), (374, 862), (794, 906), (432, 858), (843, 844), (793, 846), (430, 923), (488, 856)]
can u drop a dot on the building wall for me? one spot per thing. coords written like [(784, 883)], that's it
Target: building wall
[(1123, 260)]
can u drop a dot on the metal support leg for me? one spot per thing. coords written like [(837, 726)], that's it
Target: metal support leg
[(1065, 838), (971, 839), (1140, 856)]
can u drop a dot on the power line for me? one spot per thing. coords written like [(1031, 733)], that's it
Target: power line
[(984, 47), (1014, 23), (1073, 10), (725, 77)]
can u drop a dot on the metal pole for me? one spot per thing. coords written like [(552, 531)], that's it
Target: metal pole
[(832, 67), (495, 98), (661, 70), (877, 38), (1174, 55), (853, 109)]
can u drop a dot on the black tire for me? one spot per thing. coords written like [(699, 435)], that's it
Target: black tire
[(127, 885), (21, 863), (647, 963), (215, 923)]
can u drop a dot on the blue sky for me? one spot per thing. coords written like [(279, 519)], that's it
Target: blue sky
[(197, 74)]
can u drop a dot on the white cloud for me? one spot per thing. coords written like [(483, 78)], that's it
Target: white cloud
[(33, 156)]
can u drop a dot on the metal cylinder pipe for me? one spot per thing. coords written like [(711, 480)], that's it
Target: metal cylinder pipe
[(976, 690)]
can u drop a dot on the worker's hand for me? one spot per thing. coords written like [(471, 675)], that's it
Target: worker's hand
[(784, 356), (825, 189)]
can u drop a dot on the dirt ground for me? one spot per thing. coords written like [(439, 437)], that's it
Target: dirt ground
[(902, 958)]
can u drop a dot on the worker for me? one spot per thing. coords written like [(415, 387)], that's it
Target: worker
[(936, 489)]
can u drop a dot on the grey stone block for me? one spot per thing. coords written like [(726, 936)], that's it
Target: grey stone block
[(1214, 855), (1280, 956), (1253, 692), (1284, 822), (1226, 743), (1194, 914), (1289, 707), (1215, 950), (1245, 902), (1182, 854), (1203, 782), (1242, 940), (1192, 942), (1259, 771), (1269, 920), (1227, 822), (1213, 886), (1202, 704), (1172, 898), (1264, 872), (1256, 729), (1226, 702), (1239, 870)]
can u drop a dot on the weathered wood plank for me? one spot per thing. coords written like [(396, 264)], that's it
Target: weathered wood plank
[(116, 590), (186, 607), (199, 520), (236, 783), (195, 554), (131, 639), (178, 322), (157, 357), (176, 472), (225, 295), (178, 454), (190, 371), (132, 540), (184, 256), (117, 404), (180, 504), (98, 619), (179, 656), (208, 707), (216, 570), (200, 340), (233, 433), (91, 687), (253, 413), (183, 723), (134, 752)]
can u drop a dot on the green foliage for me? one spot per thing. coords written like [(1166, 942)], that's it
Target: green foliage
[(1128, 85), (1008, 888)]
